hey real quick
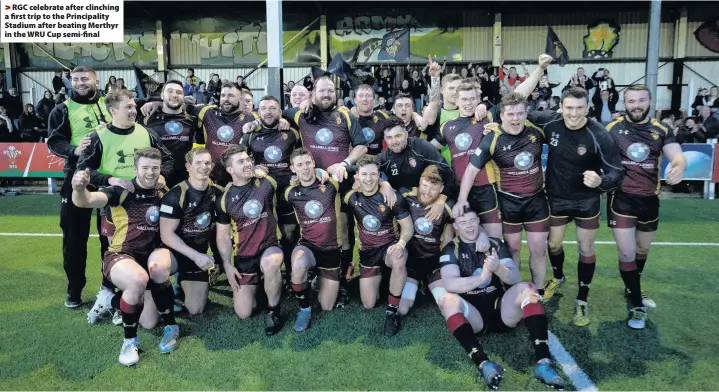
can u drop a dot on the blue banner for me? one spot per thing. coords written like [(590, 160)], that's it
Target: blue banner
[(699, 161)]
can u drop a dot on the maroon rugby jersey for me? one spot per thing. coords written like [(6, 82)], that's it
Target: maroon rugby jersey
[(328, 135), (373, 130), (195, 209), (640, 146), (462, 136), (250, 209), (375, 220), (177, 132), (428, 236), (136, 216), (222, 130), (272, 148), (317, 208), (518, 159)]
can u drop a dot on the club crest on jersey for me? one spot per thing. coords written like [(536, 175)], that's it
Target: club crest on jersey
[(323, 188), (370, 223), (273, 154), (338, 119), (257, 183), (423, 226), (314, 209), (152, 216), (533, 139), (202, 220), (655, 136), (523, 160), (242, 116), (382, 208), (368, 134), (252, 209), (412, 162), (581, 150), (173, 127), (474, 121), (284, 136), (324, 136), (638, 152), (225, 133), (375, 119), (463, 141)]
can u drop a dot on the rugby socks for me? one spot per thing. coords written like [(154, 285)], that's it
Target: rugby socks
[(274, 309), (536, 322), (164, 298), (460, 327), (130, 318), (557, 261), (640, 259), (302, 293), (393, 303), (585, 271), (630, 276), (115, 301)]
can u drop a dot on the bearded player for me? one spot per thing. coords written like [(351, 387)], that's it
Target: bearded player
[(477, 301), (633, 209)]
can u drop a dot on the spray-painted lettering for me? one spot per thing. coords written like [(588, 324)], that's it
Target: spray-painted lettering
[(366, 24), (98, 52)]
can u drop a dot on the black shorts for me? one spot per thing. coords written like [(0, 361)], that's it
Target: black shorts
[(327, 261), (372, 260), (187, 269), (585, 212), (423, 268), (531, 212), (111, 258), (483, 201), (491, 312), (249, 267), (626, 211)]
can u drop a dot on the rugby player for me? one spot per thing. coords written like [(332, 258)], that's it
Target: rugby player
[(372, 121), (515, 146), (70, 125), (406, 158), (463, 136), (380, 246), (317, 206), (109, 158), (187, 225), (248, 237), (403, 107), (271, 148), (176, 127), (633, 208), (583, 163), (428, 240), (478, 302), (131, 262), (335, 138)]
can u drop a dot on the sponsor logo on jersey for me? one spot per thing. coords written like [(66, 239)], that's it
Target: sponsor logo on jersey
[(370, 223), (152, 216), (225, 133), (324, 136), (252, 209), (523, 160), (314, 209)]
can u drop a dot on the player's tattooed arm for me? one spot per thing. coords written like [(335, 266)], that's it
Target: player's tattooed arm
[(678, 163)]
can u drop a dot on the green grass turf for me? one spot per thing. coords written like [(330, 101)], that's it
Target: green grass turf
[(43, 345)]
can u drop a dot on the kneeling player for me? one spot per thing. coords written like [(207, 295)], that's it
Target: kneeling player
[(317, 207), (477, 301), (429, 238), (380, 246), (187, 222), (248, 206), (131, 262)]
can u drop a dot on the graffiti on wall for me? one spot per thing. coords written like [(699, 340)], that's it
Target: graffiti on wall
[(137, 48), (601, 39), (369, 38), (215, 41)]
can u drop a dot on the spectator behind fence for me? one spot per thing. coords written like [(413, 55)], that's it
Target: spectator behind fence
[(691, 132), (240, 80), (31, 126), (202, 95), (604, 104), (44, 107), (189, 89), (120, 84), (13, 104), (7, 134), (709, 122), (214, 87), (66, 79), (57, 83), (110, 83), (579, 79), (193, 79), (60, 96)]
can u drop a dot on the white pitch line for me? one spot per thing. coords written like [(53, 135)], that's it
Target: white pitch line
[(566, 242), (576, 375)]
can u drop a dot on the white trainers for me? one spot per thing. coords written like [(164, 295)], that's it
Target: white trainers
[(102, 306), (117, 317), (648, 302), (129, 354)]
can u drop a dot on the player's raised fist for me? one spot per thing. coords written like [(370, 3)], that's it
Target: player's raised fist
[(545, 60), (81, 180)]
